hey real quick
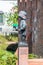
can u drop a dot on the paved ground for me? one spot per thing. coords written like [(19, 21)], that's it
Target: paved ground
[(11, 42)]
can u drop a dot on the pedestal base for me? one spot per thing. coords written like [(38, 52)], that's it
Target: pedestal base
[(22, 44), (23, 56)]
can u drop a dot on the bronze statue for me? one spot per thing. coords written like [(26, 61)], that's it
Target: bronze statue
[(22, 30)]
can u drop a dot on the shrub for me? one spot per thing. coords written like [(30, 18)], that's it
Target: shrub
[(3, 40), (32, 56), (7, 58), (12, 37)]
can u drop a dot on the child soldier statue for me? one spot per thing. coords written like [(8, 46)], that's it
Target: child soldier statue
[(22, 29)]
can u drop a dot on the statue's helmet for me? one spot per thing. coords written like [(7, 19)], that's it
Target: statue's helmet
[(22, 14)]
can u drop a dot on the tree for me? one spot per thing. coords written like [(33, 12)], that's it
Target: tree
[(12, 17)]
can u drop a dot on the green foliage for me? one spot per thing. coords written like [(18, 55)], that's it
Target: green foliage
[(32, 56), (7, 58), (15, 17), (12, 18), (12, 37), (2, 39), (3, 42), (5, 39)]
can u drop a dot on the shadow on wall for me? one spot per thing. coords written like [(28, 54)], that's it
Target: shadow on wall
[(12, 47)]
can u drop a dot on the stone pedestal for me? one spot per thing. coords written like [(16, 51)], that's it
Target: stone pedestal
[(23, 56)]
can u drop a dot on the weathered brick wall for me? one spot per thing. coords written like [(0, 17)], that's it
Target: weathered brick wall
[(34, 62), (38, 45), (35, 11)]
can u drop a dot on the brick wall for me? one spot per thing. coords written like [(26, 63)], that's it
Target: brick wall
[(34, 62), (38, 45), (34, 9)]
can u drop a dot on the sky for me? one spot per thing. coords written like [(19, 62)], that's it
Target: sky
[(5, 6)]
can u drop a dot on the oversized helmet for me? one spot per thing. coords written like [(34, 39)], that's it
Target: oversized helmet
[(22, 14)]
